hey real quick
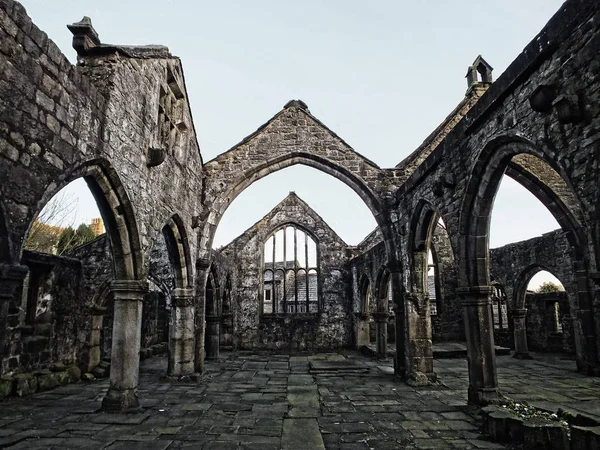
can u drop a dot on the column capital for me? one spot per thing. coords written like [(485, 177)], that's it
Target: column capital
[(519, 313), (182, 297), (475, 295), (128, 289), (381, 316)]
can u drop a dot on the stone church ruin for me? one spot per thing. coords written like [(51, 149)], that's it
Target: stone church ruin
[(153, 283)]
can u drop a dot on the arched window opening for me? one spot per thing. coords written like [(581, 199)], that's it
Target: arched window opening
[(69, 221), (499, 307), (543, 282), (291, 272), (516, 204), (432, 283)]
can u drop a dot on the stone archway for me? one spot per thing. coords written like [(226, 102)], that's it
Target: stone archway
[(270, 149), (474, 279)]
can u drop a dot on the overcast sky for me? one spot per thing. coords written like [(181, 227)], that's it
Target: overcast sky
[(381, 74)]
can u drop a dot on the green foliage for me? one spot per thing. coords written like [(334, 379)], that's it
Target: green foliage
[(549, 286), (70, 239)]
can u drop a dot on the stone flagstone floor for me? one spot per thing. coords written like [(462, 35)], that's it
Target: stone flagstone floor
[(268, 402)]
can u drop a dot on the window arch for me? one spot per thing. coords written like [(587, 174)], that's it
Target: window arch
[(499, 311), (290, 277)]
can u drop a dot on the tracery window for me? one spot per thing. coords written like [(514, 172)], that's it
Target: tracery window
[(499, 312), (290, 272)]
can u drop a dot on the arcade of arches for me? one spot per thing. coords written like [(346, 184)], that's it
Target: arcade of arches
[(120, 119)]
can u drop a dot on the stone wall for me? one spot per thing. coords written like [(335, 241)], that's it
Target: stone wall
[(328, 329), (549, 328), (513, 265), (71, 318), (43, 326), (103, 119)]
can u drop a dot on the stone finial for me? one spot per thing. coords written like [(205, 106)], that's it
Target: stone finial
[(296, 104), (85, 36)]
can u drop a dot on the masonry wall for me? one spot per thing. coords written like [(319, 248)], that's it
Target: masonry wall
[(448, 323), (513, 265), (67, 292), (329, 329), (549, 329), (58, 121)]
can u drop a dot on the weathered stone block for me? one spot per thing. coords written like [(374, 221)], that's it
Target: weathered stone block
[(26, 384), (7, 386), (74, 373), (46, 380)]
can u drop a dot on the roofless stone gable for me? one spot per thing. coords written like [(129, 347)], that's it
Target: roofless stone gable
[(243, 259)]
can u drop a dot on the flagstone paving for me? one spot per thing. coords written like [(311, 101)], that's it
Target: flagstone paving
[(265, 402)]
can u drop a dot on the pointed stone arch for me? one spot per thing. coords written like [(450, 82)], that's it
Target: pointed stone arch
[(178, 247), (473, 252), (116, 210)]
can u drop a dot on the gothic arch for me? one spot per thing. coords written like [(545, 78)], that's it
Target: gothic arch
[(522, 281), (116, 210), (381, 289), (474, 225), (178, 248), (365, 295), (244, 180), (422, 228), (494, 161)]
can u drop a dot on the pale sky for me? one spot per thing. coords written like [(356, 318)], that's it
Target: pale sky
[(381, 74)]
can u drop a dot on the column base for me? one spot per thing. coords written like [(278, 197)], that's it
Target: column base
[(522, 355), (483, 396), (121, 401)]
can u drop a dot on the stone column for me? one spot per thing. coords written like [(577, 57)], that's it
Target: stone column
[(381, 319), (362, 329), (202, 266), (125, 352), (520, 334), (181, 333), (481, 356), (400, 318), (212, 336), (11, 277), (419, 370)]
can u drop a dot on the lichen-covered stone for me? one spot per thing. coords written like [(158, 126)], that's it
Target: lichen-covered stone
[(25, 384), (7, 385)]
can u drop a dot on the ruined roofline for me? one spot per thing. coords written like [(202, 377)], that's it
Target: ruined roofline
[(571, 15), (541, 237), (434, 134), (366, 239), (86, 42), (292, 198), (301, 106)]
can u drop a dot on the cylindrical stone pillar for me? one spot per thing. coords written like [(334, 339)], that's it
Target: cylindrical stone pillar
[(381, 320), (125, 352), (213, 324), (400, 318), (181, 333), (481, 356), (520, 334), (419, 370)]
